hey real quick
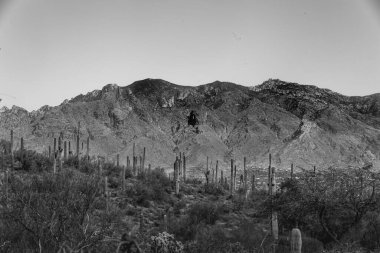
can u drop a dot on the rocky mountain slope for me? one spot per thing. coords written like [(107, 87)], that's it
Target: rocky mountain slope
[(296, 123)]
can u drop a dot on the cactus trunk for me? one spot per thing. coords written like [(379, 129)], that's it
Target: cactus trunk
[(232, 177), (65, 150), (295, 241), (12, 155), (88, 148), (106, 193), (78, 150), (184, 167), (22, 151), (245, 173), (216, 171)]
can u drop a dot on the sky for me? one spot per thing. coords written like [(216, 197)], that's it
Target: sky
[(52, 50)]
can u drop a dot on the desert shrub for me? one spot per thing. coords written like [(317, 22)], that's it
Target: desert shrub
[(182, 228), (178, 206), (199, 214), (213, 189), (165, 243), (194, 181), (329, 205), (111, 170), (205, 212), (153, 186), (43, 212), (250, 234), (366, 234), (214, 240), (33, 161)]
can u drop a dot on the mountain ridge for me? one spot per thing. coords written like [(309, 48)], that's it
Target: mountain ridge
[(297, 123)]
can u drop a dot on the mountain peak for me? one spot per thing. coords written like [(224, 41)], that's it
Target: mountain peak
[(110, 87)]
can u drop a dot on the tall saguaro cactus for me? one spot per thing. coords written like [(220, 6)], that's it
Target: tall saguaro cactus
[(291, 171), (272, 191), (22, 151), (106, 193), (232, 177), (134, 159), (176, 175), (65, 150), (253, 183), (60, 152), (295, 241), (184, 167), (123, 178), (78, 150), (143, 160), (245, 173), (216, 171), (12, 155), (88, 149)]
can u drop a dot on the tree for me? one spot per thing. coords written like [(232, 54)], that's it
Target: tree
[(192, 119)]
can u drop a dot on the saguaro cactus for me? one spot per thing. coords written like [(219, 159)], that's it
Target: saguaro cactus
[(12, 155), (291, 171), (184, 167), (123, 178), (165, 222), (49, 152), (78, 150), (22, 151), (176, 175), (106, 193), (245, 173), (55, 162), (88, 148), (2, 159), (117, 160), (272, 191), (295, 241), (60, 152), (270, 174), (134, 159), (143, 160), (207, 164), (232, 177), (128, 163), (65, 150), (216, 171)]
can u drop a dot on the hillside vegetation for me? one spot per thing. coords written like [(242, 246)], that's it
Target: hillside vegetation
[(91, 208)]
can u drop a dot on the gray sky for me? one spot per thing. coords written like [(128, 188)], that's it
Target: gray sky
[(56, 49)]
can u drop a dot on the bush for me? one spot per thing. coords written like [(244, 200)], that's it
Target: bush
[(152, 186), (165, 243), (45, 211), (33, 161), (213, 189), (207, 213), (211, 239)]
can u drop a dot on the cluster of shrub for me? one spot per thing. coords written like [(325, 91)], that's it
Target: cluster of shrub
[(42, 211)]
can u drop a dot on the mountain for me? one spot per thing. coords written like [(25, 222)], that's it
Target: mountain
[(299, 124)]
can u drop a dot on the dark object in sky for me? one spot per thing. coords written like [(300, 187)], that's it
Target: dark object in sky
[(192, 119)]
